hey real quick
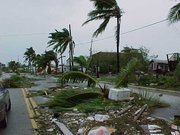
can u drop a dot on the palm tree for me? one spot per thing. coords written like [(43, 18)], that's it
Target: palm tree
[(174, 14), (51, 56), (105, 10), (83, 61), (62, 40), (29, 56)]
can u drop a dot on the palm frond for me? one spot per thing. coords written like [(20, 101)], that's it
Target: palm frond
[(100, 12), (174, 14), (78, 77), (100, 4), (93, 18), (102, 27), (125, 73)]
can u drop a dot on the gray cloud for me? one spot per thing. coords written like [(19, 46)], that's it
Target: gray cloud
[(43, 16)]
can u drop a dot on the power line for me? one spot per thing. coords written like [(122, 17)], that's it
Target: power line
[(32, 34), (144, 26), (26, 34), (126, 32)]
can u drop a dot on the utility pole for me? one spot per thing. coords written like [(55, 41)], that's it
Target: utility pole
[(71, 48), (91, 47)]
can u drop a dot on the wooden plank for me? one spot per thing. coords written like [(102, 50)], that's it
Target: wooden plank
[(143, 108), (63, 128), (126, 109)]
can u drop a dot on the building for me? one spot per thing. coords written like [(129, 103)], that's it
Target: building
[(158, 66)]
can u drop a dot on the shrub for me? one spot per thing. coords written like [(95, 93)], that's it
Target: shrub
[(177, 72), (146, 80), (167, 81), (17, 81)]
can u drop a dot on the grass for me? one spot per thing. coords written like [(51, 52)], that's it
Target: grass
[(95, 104), (151, 99), (110, 79)]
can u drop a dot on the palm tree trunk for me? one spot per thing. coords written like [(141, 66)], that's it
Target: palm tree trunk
[(56, 62), (118, 41), (71, 48), (62, 63)]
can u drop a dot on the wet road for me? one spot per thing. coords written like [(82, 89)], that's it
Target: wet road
[(164, 113), (18, 118), (168, 112)]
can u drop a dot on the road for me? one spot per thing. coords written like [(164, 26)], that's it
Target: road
[(18, 118)]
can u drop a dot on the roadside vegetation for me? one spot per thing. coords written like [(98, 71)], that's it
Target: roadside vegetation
[(18, 81), (95, 99)]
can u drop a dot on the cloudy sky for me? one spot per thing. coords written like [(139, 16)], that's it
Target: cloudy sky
[(26, 23)]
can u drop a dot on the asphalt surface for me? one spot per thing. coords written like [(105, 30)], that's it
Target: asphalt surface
[(18, 119)]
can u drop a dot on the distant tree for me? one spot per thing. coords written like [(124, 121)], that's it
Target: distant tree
[(44, 60), (142, 54), (13, 65), (51, 56), (61, 41), (83, 61), (29, 56), (105, 10), (174, 14)]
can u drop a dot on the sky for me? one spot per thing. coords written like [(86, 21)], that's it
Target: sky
[(27, 23)]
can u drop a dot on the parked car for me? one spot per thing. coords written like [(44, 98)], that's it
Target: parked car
[(5, 105)]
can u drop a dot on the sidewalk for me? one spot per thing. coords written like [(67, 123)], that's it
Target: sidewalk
[(169, 92)]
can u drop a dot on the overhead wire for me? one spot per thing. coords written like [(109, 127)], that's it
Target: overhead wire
[(136, 29), (88, 42)]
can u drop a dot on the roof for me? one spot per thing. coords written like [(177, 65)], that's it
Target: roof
[(159, 61)]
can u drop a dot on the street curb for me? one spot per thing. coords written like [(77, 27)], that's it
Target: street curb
[(31, 105), (170, 92)]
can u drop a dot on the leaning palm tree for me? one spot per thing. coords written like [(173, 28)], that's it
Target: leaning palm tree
[(105, 10), (29, 56), (51, 56), (174, 14), (61, 41)]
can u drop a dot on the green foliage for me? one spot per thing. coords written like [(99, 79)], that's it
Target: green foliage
[(29, 56), (127, 73), (176, 122), (177, 72), (13, 65), (17, 81), (146, 80), (110, 79), (105, 10), (61, 40), (83, 100), (77, 77), (107, 60), (167, 81), (75, 68), (95, 104), (174, 13)]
